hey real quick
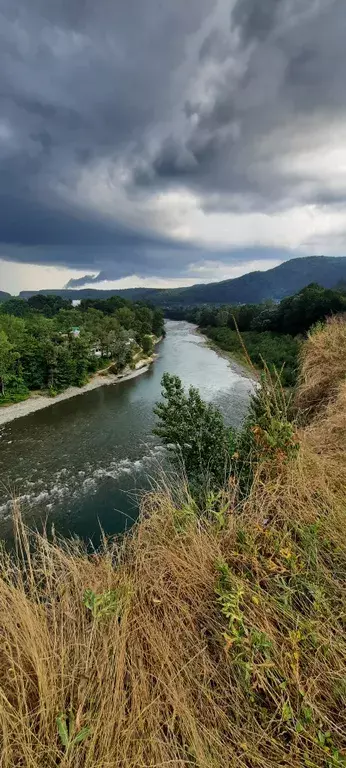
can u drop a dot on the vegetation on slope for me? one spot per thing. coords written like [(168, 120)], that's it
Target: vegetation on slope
[(280, 352), (210, 640)]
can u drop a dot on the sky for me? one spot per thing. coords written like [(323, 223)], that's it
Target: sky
[(168, 143)]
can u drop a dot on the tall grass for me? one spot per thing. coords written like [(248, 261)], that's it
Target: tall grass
[(192, 642), (322, 366)]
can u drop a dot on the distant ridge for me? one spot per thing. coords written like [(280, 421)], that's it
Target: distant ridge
[(254, 287), (4, 296)]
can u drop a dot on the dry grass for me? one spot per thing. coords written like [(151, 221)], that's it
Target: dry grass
[(322, 366), (215, 643)]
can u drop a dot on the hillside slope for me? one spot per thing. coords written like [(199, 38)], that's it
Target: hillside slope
[(199, 641), (276, 283)]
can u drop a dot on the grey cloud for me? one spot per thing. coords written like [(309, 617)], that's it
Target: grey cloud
[(208, 95), (255, 19), (292, 66), (77, 282)]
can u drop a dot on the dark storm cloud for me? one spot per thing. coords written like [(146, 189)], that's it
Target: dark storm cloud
[(255, 19), (287, 64), (204, 95)]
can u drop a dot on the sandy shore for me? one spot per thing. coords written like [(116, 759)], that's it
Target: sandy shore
[(38, 402)]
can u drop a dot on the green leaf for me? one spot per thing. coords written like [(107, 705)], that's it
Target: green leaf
[(286, 712), (82, 735), (62, 729), (321, 738)]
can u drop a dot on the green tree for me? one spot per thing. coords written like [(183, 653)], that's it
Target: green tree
[(126, 317), (222, 316), (196, 433), (144, 321), (48, 305), (147, 345), (15, 306), (158, 323), (8, 358), (15, 329)]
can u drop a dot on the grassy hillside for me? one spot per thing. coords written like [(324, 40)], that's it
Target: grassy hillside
[(284, 280), (206, 641)]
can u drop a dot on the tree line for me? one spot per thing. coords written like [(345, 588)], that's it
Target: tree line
[(47, 344), (272, 332)]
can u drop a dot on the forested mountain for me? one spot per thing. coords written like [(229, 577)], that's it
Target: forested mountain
[(276, 283), (4, 296)]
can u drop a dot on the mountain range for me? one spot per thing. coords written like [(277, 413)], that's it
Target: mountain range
[(254, 287)]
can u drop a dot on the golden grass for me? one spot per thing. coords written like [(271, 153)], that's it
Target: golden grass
[(220, 643), (322, 366)]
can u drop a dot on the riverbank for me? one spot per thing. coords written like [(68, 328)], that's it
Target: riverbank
[(237, 361), (37, 402)]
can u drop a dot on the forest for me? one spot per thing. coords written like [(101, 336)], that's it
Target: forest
[(47, 345), (271, 332)]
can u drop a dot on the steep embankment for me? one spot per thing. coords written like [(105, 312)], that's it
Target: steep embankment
[(205, 642)]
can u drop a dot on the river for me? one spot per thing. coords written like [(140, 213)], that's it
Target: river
[(82, 463)]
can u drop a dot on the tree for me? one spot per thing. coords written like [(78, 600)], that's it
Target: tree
[(8, 357), (126, 317), (144, 321), (147, 345), (15, 306), (66, 319), (298, 313), (48, 305), (158, 323), (196, 433), (14, 327), (221, 316)]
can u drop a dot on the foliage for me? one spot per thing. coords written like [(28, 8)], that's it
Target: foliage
[(49, 305), (104, 605), (69, 737), (216, 458), (196, 434), (40, 350), (147, 345), (277, 352), (15, 306)]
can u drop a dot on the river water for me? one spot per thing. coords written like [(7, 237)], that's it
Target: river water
[(82, 463)]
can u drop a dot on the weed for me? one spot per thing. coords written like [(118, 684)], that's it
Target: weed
[(69, 737), (104, 605)]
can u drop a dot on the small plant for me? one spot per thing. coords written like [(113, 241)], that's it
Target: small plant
[(104, 605), (334, 758), (260, 643), (185, 516), (67, 731), (229, 598), (217, 508)]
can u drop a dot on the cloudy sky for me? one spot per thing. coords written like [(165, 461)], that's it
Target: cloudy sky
[(169, 142)]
